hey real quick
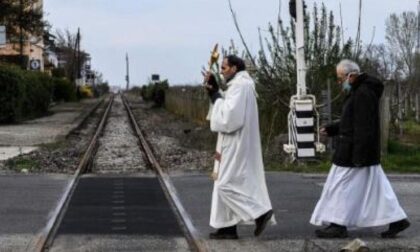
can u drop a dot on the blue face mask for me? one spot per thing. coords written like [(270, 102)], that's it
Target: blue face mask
[(346, 86)]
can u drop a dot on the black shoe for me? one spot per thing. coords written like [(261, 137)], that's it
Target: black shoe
[(395, 228), (261, 222), (332, 231), (225, 233)]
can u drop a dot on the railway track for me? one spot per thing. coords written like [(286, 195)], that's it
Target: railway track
[(114, 201)]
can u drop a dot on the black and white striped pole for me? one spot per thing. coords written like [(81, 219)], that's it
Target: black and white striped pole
[(303, 119)]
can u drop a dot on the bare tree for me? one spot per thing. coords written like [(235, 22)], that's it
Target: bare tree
[(235, 20), (401, 35), (381, 62), (358, 45), (66, 43)]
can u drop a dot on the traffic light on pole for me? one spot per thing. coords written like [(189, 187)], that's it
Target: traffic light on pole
[(292, 8)]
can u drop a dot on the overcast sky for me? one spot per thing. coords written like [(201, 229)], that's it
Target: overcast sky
[(174, 38)]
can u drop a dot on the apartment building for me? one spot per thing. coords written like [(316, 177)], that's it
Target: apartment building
[(33, 47)]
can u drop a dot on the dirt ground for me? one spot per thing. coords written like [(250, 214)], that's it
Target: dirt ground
[(118, 151), (58, 157), (180, 145)]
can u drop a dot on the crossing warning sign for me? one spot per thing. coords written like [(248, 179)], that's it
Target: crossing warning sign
[(35, 64)]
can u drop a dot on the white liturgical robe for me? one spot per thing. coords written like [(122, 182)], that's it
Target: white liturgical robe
[(357, 198), (240, 193)]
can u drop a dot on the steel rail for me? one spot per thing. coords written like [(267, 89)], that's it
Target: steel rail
[(184, 219), (44, 238)]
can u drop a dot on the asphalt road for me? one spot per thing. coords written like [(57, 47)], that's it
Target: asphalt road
[(95, 223), (293, 197), (25, 203)]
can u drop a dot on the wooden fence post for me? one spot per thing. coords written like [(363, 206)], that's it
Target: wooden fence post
[(385, 117), (417, 107)]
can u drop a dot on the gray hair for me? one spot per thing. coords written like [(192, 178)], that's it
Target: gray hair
[(348, 66)]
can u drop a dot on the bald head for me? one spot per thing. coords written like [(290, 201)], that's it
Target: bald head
[(347, 66), (347, 69)]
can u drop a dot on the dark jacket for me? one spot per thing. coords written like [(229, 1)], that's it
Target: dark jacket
[(358, 131)]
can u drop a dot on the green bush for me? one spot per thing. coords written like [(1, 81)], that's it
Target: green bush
[(147, 92), (101, 89), (63, 90), (401, 157), (12, 93), (39, 90), (58, 73), (155, 92), (23, 94)]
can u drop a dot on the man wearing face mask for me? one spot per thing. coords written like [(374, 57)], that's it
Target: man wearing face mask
[(357, 193), (240, 194)]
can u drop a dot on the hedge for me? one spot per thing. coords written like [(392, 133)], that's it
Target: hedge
[(38, 95), (155, 92), (12, 94), (28, 94), (64, 90)]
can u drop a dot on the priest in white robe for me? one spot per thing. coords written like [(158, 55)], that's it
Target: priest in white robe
[(357, 192), (240, 193)]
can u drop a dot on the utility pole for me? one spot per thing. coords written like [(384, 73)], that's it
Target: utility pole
[(21, 36), (78, 54), (127, 77), (303, 118), (300, 49), (76, 59), (329, 112)]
